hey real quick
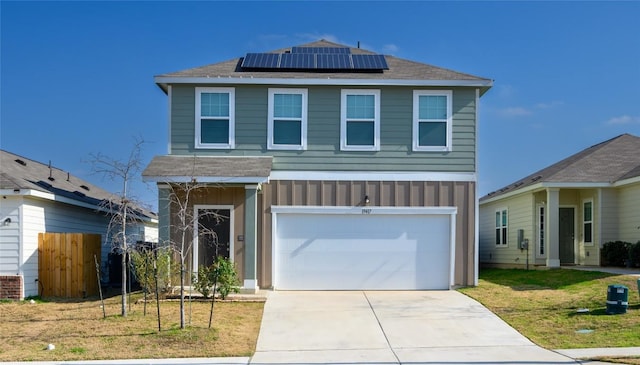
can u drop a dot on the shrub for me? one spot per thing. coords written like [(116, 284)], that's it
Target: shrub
[(634, 254), (143, 269), (615, 253), (221, 275)]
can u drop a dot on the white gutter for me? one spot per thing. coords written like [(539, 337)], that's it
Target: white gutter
[(546, 185), (61, 199), (318, 81)]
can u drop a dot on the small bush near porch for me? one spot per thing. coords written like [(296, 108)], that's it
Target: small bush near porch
[(543, 306), (79, 332)]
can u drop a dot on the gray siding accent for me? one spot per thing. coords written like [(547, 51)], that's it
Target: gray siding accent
[(10, 236), (323, 152)]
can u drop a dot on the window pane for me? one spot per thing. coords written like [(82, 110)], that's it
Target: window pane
[(587, 211), (433, 107), (360, 106), (497, 236), (214, 104), (432, 134), (360, 133), (214, 131), (498, 222), (587, 232), (504, 236), (287, 132), (504, 218), (287, 106)]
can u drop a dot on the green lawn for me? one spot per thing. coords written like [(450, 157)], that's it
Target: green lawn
[(543, 304)]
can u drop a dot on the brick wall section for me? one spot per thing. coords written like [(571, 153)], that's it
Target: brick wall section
[(11, 287)]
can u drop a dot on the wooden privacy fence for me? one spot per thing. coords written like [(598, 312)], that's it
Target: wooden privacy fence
[(66, 267)]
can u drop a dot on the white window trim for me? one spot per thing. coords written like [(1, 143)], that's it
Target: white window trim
[(417, 120), (539, 236), (196, 209), (232, 118), (343, 120), (502, 244), (303, 124), (585, 221)]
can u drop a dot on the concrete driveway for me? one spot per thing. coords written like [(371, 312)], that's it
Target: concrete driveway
[(372, 327)]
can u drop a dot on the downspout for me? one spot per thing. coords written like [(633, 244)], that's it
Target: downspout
[(476, 243)]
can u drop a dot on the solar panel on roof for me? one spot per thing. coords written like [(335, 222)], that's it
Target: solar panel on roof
[(369, 62), (333, 61), (261, 60), (321, 50), (297, 61)]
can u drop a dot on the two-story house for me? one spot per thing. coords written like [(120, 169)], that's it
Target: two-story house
[(338, 168)]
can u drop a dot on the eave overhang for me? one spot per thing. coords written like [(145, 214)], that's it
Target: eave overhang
[(164, 81)]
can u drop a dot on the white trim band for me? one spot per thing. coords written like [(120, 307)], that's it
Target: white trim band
[(373, 176)]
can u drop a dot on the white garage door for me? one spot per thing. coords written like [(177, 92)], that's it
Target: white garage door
[(346, 251)]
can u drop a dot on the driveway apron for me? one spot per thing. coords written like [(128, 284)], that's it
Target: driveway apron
[(389, 327)]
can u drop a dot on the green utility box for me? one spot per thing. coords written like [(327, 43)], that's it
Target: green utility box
[(617, 299)]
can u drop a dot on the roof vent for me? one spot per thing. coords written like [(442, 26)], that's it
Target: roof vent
[(536, 178), (51, 178), (21, 162), (85, 187), (79, 193), (518, 184)]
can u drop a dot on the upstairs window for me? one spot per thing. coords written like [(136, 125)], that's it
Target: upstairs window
[(501, 227), (587, 221), (287, 126), (360, 120), (215, 117), (432, 120)]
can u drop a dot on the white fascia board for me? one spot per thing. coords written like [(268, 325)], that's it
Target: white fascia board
[(371, 176), (166, 80), (65, 200), (627, 181), (549, 185), (208, 179), (366, 210)]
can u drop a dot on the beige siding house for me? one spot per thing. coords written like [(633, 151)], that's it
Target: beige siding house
[(338, 168), (564, 213)]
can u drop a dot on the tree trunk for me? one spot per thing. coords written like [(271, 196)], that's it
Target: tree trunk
[(182, 269), (124, 284)]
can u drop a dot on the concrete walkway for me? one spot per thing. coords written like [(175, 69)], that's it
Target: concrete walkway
[(409, 327)]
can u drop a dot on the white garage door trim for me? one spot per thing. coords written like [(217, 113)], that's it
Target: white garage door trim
[(277, 210)]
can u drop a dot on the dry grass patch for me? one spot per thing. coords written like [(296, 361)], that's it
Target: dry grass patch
[(79, 332), (542, 305)]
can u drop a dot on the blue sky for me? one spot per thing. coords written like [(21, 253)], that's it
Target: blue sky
[(77, 77)]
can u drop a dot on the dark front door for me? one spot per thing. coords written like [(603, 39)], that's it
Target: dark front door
[(214, 226), (566, 232)]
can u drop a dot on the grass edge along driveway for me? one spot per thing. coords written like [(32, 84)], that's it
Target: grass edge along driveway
[(543, 305)]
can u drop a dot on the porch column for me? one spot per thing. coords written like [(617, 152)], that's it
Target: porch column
[(250, 238), (553, 232)]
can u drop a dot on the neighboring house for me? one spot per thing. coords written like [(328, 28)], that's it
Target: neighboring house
[(338, 168), (566, 211), (38, 198)]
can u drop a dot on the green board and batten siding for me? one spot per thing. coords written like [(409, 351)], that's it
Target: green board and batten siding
[(323, 132)]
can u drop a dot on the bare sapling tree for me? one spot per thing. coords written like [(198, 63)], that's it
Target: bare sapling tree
[(185, 225), (122, 207)]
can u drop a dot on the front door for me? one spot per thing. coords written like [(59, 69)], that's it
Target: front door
[(214, 235), (566, 236)]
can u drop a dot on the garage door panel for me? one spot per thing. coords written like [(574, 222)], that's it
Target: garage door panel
[(350, 252)]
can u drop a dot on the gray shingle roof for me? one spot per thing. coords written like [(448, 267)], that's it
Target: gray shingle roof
[(208, 169), (20, 173), (399, 69), (607, 162)]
